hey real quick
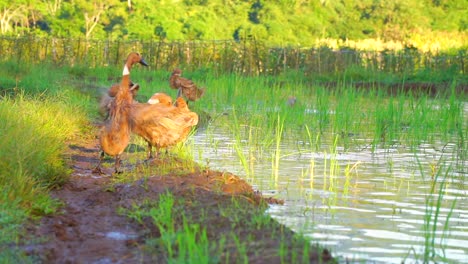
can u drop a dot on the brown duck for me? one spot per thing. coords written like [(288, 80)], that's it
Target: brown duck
[(115, 134), (185, 86), (162, 125)]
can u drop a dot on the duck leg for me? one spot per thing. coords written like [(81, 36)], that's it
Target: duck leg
[(150, 152), (117, 164), (98, 169), (179, 92), (158, 151)]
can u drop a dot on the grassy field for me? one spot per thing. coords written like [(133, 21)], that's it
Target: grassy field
[(43, 107)]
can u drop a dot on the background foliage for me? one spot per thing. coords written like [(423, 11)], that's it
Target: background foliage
[(277, 22), (247, 57)]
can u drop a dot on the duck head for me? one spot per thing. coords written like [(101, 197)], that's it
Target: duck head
[(177, 71), (135, 57), (160, 98), (181, 104)]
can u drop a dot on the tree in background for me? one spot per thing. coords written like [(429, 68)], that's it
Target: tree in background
[(14, 17), (275, 22)]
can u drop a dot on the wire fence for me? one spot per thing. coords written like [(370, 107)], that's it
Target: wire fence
[(247, 57)]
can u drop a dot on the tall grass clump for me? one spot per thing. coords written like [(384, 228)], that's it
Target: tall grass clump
[(386, 121), (34, 131), (187, 230), (239, 146), (187, 243), (435, 216)]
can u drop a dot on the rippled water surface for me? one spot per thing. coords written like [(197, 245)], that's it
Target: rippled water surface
[(364, 205)]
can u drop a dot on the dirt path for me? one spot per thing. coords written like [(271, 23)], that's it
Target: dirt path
[(89, 229)]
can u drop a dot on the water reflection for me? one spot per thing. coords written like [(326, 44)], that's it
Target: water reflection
[(363, 205)]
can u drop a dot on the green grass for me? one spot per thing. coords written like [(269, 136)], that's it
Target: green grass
[(34, 132), (380, 119), (188, 232), (37, 119), (184, 242)]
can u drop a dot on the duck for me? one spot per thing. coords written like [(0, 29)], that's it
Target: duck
[(185, 87), (162, 125), (114, 135), (191, 117)]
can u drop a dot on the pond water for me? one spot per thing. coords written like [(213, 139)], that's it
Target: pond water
[(366, 206)]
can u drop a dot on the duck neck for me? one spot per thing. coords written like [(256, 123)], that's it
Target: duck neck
[(124, 93), (126, 75), (127, 68)]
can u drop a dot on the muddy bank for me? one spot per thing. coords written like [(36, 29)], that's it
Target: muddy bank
[(91, 228)]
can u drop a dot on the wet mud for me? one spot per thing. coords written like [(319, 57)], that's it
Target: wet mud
[(90, 228)]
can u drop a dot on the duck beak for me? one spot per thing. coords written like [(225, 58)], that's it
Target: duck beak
[(143, 62)]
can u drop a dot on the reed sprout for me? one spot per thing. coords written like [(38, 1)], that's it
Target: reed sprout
[(434, 201), (277, 151)]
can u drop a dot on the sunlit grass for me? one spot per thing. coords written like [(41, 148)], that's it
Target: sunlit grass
[(427, 42), (39, 114), (187, 238), (32, 146), (35, 131), (180, 243)]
